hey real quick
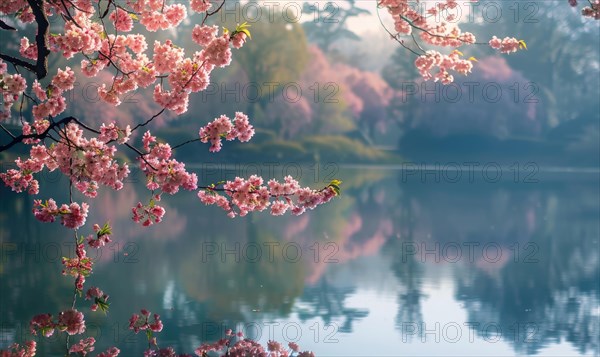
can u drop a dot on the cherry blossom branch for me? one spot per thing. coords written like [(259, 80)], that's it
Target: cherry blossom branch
[(185, 143), (395, 37), (211, 13), (149, 120), (165, 107), (42, 135), (40, 68), (68, 14)]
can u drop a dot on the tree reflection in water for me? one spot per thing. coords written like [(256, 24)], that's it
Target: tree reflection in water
[(537, 300)]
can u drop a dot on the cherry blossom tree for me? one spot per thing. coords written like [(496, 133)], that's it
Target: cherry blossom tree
[(110, 39)]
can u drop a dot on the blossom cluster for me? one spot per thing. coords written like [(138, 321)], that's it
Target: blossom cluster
[(11, 88), (80, 267), (142, 322), (72, 215), (111, 132), (124, 51), (70, 321), (162, 171), (506, 45), (223, 127), (102, 236), (84, 346), (100, 299), (243, 196), (16, 350), (148, 214), (444, 63), (88, 162), (22, 179), (436, 32), (247, 347), (155, 15), (593, 10), (111, 352), (52, 99)]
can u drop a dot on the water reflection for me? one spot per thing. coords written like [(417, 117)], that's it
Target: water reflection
[(514, 266)]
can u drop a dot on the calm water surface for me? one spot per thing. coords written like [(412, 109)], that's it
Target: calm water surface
[(396, 266)]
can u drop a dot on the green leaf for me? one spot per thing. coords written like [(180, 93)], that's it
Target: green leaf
[(105, 230), (335, 184), (102, 304), (243, 28), (133, 16), (522, 44)]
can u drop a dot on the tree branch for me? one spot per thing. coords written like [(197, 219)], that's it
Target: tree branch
[(5, 26), (40, 68), (20, 138), (41, 38)]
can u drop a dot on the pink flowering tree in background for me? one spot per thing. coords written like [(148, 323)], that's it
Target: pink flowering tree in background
[(108, 39)]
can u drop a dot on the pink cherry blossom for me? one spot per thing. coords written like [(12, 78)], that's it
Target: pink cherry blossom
[(71, 321), (72, 215), (83, 347), (200, 5), (16, 350), (28, 50), (14, 86), (244, 196), (442, 33), (142, 322), (98, 296), (217, 52), (204, 34), (294, 346), (101, 238), (238, 39), (42, 323), (506, 45), (79, 267), (122, 21), (111, 352), (221, 127), (593, 10), (306, 354), (147, 214)]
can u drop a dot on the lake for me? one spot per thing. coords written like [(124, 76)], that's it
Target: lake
[(408, 261)]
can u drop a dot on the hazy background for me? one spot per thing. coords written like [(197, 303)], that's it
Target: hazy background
[(324, 82)]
